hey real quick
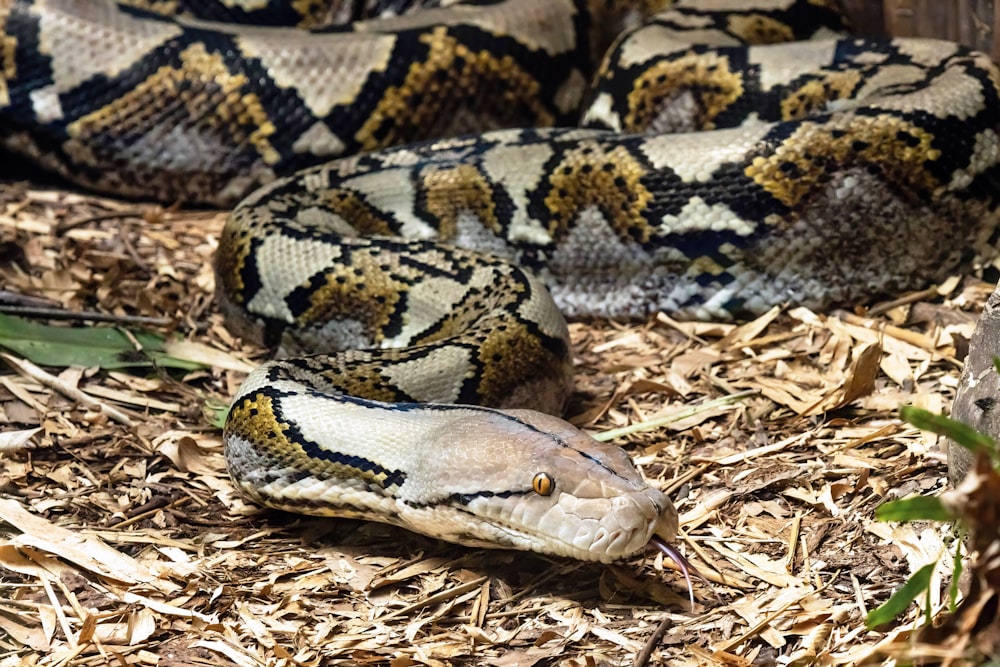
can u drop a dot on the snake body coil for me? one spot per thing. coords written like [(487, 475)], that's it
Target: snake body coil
[(713, 180)]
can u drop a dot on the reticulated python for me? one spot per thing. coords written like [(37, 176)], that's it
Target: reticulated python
[(812, 172)]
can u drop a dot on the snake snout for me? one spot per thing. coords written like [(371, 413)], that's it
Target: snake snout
[(628, 521)]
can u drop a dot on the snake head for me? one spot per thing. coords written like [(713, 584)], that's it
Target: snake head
[(516, 479), (526, 480)]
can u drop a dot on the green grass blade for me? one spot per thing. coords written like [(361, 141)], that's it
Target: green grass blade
[(915, 508), (964, 435), (901, 599), (104, 347), (660, 422), (215, 412)]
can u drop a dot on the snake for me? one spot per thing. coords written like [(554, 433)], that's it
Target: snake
[(422, 195)]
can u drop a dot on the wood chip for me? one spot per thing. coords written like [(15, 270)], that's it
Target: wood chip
[(126, 542)]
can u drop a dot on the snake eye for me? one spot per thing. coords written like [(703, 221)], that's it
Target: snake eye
[(543, 484)]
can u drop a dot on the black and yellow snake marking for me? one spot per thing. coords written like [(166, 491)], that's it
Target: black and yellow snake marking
[(718, 175)]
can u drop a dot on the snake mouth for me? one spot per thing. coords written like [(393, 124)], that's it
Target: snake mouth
[(685, 566)]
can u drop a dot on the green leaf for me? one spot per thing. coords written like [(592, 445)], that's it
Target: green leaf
[(914, 508), (963, 434), (898, 603), (215, 412), (956, 575), (106, 347)]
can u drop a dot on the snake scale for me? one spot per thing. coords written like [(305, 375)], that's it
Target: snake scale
[(416, 292)]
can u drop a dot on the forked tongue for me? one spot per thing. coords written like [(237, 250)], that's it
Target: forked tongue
[(682, 563)]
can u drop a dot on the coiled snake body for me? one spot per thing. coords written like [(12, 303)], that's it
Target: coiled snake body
[(812, 173)]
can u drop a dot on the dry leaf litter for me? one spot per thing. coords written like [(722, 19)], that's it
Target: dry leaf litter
[(122, 540)]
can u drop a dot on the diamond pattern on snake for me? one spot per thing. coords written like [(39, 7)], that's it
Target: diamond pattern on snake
[(728, 157)]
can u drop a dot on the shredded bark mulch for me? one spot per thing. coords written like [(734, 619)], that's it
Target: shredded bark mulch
[(123, 541)]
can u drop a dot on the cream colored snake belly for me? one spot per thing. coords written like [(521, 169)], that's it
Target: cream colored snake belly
[(417, 293)]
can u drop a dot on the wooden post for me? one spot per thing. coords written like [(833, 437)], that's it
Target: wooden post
[(975, 23), (867, 17)]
